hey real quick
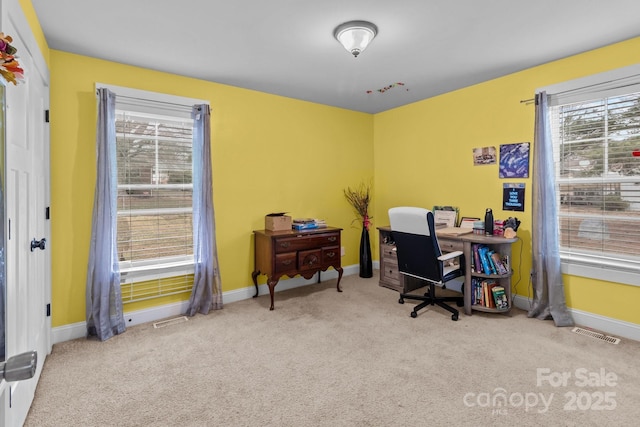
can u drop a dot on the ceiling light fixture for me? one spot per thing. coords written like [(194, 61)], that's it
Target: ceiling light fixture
[(355, 36)]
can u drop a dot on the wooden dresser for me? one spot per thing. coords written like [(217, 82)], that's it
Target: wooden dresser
[(290, 252)]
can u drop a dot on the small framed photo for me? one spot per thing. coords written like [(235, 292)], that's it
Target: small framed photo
[(484, 156), (468, 221)]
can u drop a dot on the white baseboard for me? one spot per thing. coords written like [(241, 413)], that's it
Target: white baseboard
[(609, 326), (73, 331), (79, 330)]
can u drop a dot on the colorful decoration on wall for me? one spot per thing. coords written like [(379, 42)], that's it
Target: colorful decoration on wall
[(386, 88), (9, 66), (514, 160)]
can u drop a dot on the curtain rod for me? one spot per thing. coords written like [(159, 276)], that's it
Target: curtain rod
[(137, 98), (528, 101)]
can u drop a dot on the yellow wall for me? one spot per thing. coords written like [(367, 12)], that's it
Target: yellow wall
[(260, 147), (423, 157), (269, 154), (38, 35)]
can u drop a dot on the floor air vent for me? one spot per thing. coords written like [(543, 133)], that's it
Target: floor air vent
[(596, 335), (169, 322)]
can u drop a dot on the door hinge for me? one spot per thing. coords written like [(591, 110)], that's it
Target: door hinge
[(47, 211), (48, 310), (46, 116)]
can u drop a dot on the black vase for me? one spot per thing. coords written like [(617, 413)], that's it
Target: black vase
[(366, 266)]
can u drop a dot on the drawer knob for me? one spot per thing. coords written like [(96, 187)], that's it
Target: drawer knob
[(332, 238), (285, 244), (331, 254), (286, 262)]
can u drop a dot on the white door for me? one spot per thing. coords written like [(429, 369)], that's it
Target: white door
[(27, 200)]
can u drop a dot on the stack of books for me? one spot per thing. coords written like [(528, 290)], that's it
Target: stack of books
[(308, 223), (487, 261), (488, 293)]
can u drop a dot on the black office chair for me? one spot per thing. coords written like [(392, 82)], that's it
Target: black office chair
[(419, 256)]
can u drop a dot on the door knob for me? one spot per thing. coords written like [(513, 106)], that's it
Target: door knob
[(38, 244)]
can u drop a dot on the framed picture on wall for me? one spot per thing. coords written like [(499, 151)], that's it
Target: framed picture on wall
[(484, 156), (513, 197), (514, 160)]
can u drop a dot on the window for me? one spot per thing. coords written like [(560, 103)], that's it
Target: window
[(154, 188), (154, 150), (598, 181)]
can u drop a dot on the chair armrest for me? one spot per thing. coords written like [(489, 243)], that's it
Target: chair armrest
[(450, 255)]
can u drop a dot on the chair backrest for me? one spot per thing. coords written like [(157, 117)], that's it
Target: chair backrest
[(417, 248)]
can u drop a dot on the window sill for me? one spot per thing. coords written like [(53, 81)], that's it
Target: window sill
[(155, 271), (601, 272)]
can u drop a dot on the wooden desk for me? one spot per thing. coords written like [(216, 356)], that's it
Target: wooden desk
[(289, 253), (391, 278)]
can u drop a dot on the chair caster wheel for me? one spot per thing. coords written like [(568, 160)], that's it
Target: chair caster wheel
[(460, 303), (454, 317), (414, 314), (401, 301)]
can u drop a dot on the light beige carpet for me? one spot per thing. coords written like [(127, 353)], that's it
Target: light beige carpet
[(356, 358)]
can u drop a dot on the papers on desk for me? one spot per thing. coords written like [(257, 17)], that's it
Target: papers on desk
[(454, 231)]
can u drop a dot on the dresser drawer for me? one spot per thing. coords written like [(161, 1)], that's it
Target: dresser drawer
[(448, 245), (330, 255), (388, 253), (285, 262), (390, 273), (310, 259), (288, 244)]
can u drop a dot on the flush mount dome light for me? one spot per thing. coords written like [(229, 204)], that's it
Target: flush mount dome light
[(355, 36)]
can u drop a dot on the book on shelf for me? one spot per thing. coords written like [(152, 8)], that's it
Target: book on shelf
[(488, 286), (497, 261), (476, 258), (507, 263), (482, 251), (500, 298), (492, 266)]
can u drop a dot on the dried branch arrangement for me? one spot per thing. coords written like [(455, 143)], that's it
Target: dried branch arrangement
[(359, 198)]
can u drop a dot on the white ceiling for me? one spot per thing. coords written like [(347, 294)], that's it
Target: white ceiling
[(286, 47)]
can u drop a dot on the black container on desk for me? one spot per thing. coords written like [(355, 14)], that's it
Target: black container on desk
[(488, 222)]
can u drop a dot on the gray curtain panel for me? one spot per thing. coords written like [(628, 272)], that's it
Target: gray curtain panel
[(548, 289), (104, 300), (207, 290)]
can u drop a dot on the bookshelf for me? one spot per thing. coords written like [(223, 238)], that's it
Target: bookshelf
[(481, 280)]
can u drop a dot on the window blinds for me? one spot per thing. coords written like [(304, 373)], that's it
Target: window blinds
[(598, 178), (154, 156)]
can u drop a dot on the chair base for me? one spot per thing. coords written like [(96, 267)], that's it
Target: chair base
[(430, 299)]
